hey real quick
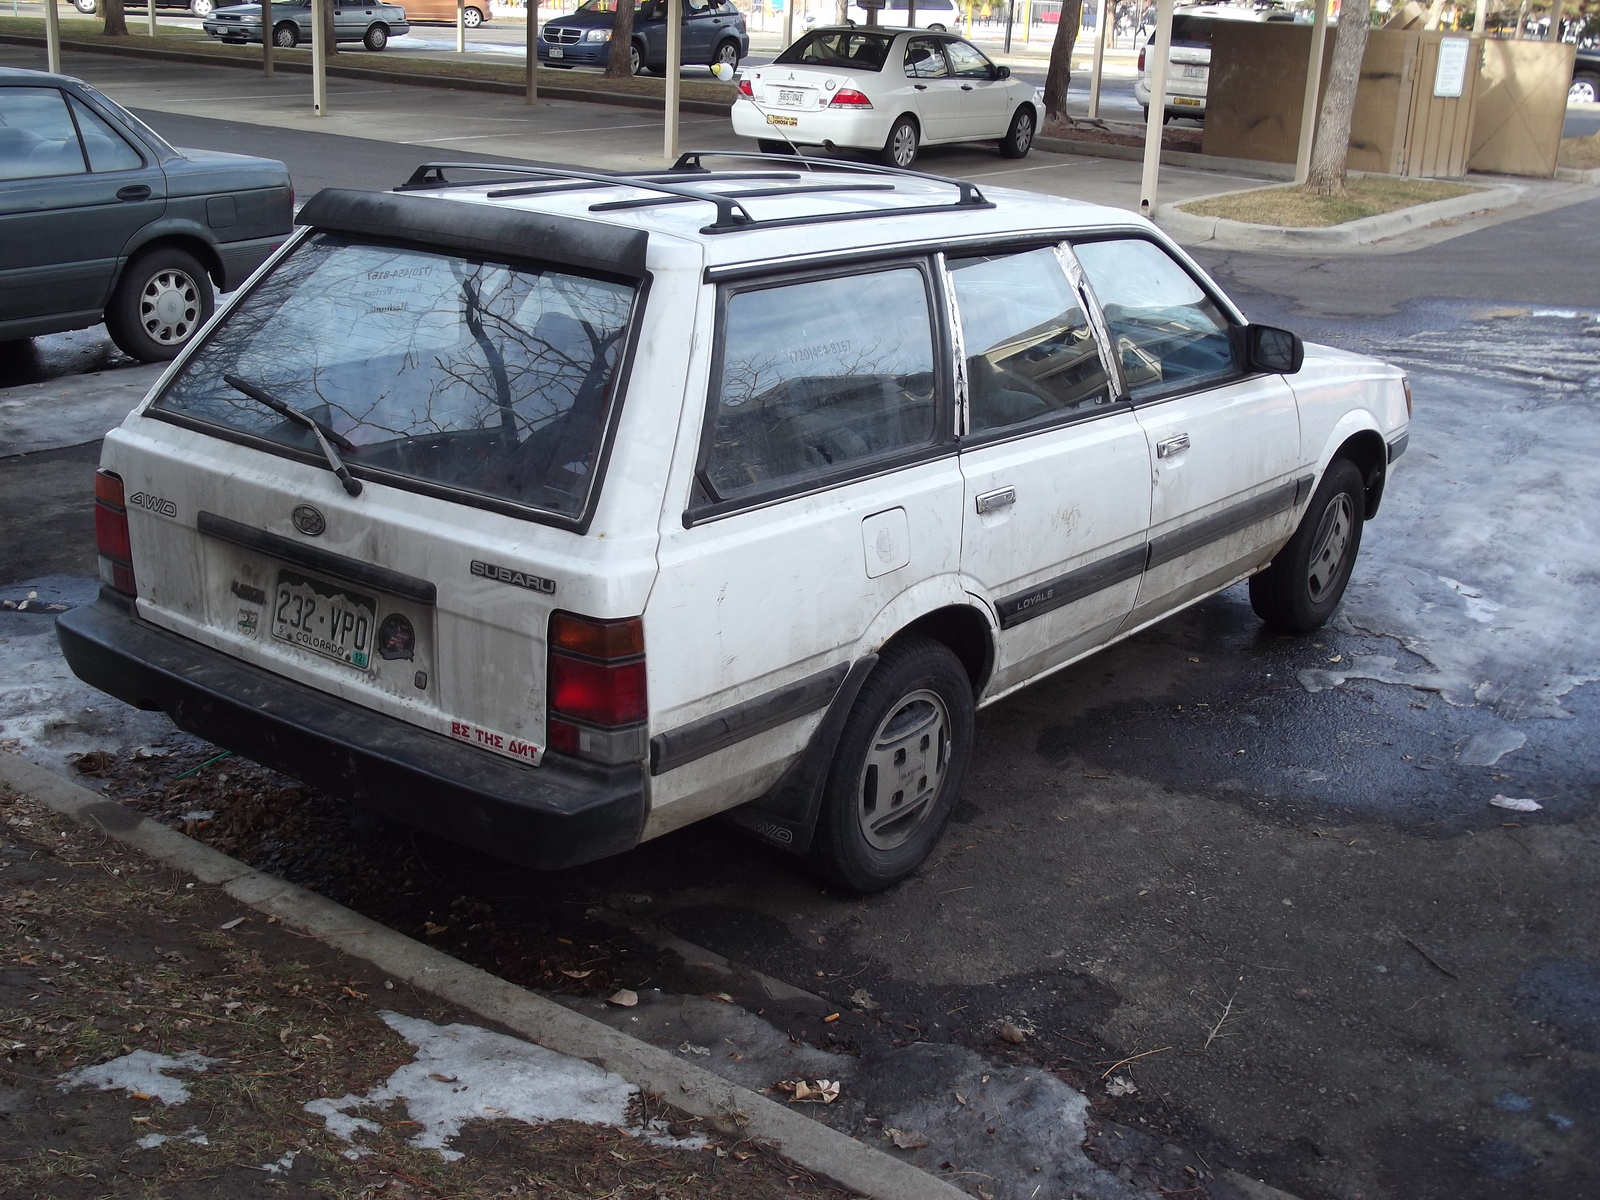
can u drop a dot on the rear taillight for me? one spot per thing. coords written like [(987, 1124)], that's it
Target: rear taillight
[(849, 98), (1405, 382), (745, 89), (597, 699), (1141, 59), (111, 534)]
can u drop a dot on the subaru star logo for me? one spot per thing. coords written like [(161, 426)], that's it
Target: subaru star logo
[(308, 520)]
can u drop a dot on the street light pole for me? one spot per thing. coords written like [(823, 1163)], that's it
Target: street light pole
[(1160, 46), (674, 72), (533, 51), (1101, 13), (52, 36), (319, 59)]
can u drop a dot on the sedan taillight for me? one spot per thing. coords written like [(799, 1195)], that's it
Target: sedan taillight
[(1141, 58), (849, 98), (745, 90)]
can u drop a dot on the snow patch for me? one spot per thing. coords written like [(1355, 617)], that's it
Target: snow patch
[(192, 1134), (283, 1165), (463, 1073), (142, 1071)]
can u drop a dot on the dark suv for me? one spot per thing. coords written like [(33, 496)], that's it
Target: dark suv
[(1585, 77), (100, 219), (713, 32)]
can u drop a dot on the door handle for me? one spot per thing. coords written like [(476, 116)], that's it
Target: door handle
[(966, 87), (1175, 444), (989, 502), (921, 87), (134, 191)]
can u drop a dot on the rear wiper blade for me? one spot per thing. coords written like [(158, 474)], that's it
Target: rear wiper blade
[(326, 437)]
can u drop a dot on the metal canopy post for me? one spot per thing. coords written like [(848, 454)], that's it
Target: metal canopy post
[(1313, 101), (461, 26), (533, 52), (319, 59), (266, 35), (788, 23), (52, 36), (1100, 14), (150, 8), (674, 75), (1160, 48)]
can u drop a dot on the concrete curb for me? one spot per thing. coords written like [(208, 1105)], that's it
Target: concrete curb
[(1190, 228), (1578, 174), (447, 82), (736, 1111), (1169, 158)]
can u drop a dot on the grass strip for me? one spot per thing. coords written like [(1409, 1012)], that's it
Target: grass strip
[(1292, 207), (1580, 153)]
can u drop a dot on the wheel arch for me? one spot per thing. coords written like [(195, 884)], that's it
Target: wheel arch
[(180, 238), (1370, 454), (966, 632)]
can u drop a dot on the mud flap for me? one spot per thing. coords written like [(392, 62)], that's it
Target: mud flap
[(786, 816)]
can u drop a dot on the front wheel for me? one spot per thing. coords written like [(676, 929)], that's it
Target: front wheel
[(472, 17), (376, 38), (86, 7), (1305, 582), (285, 36), (161, 299), (1019, 138), (899, 766), (1585, 89), (900, 150)]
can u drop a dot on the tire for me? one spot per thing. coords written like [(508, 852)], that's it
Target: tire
[(936, 28), (1019, 138), (913, 722), (1145, 109), (727, 52), (472, 17), (900, 148), (376, 38), (201, 8), (285, 36), (161, 299), (86, 7), (1305, 582), (769, 146), (1585, 89), (636, 58)]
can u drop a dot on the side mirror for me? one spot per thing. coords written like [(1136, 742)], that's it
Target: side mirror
[(1268, 349), (1002, 72)]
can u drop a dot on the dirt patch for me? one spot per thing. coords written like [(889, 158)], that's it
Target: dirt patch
[(1580, 153), (1296, 208), (107, 954), (1102, 133)]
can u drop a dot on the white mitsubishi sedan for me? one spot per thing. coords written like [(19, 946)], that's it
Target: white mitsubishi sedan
[(886, 90)]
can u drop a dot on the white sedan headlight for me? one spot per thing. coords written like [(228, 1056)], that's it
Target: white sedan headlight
[(597, 35)]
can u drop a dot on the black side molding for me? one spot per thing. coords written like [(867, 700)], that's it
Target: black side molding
[(1074, 585), (487, 229), (315, 558), (1230, 520), (697, 739), (1398, 446)]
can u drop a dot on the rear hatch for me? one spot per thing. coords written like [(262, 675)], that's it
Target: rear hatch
[(470, 400)]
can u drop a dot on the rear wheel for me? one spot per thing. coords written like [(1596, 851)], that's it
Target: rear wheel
[(1306, 581), (84, 6), (201, 8), (285, 36), (636, 58), (472, 18), (376, 38), (900, 764), (1019, 138), (727, 52), (161, 299), (900, 150), (1585, 89)]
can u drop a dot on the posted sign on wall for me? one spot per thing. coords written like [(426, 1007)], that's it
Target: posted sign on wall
[(1450, 78)]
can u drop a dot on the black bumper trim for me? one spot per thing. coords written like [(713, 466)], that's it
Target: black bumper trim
[(315, 558), (559, 814), (720, 730), (1398, 446)]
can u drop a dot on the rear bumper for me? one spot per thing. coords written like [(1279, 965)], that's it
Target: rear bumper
[(240, 259), (559, 814), (860, 129)]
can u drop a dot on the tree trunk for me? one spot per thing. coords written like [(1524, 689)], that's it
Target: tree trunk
[(116, 21), (325, 30), (1326, 177), (618, 64), (1059, 73)]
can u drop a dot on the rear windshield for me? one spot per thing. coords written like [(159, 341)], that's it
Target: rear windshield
[(847, 49), (1192, 31), (472, 375)]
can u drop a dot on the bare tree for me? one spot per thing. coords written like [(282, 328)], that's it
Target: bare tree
[(1326, 177), (1059, 73), (116, 21), (325, 28), (619, 63)]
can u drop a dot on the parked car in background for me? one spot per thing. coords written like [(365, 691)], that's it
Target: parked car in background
[(713, 32), (473, 13), (101, 219), (554, 511), (200, 8), (1189, 60), (890, 91), (370, 24), (896, 14), (1585, 77)]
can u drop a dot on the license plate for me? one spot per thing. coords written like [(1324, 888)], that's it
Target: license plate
[(557, 52), (791, 97), (774, 119), (1195, 72), (324, 619), (1185, 102)]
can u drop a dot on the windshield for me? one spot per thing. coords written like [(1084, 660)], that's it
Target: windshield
[(848, 49), (472, 375)]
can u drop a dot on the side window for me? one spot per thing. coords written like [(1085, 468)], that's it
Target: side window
[(820, 375), (1030, 353), (924, 60), (1170, 335), (37, 137), (968, 61), (108, 150)]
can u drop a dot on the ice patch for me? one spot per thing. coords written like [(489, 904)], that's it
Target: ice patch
[(1478, 608), (1377, 667), (282, 1166), (192, 1134), (463, 1073), (1489, 746), (142, 1071)]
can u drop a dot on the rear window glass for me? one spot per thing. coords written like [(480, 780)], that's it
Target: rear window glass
[(848, 49), (1192, 31), (468, 374)]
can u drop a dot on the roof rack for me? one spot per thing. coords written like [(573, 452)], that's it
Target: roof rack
[(731, 214)]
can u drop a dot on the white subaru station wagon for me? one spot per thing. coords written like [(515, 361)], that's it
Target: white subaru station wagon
[(551, 511)]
